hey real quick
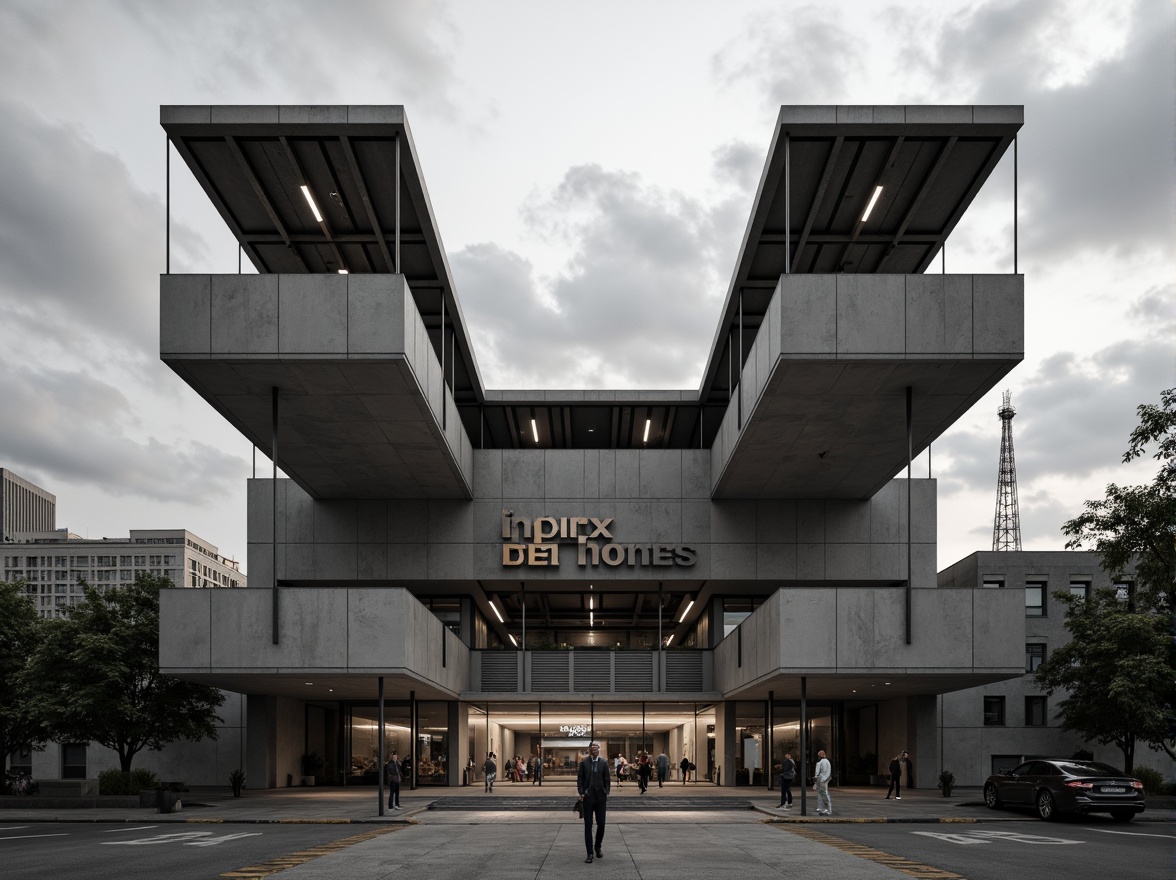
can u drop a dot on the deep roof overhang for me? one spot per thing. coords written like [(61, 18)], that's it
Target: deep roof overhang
[(822, 168)]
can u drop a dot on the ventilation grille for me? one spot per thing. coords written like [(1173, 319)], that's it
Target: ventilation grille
[(593, 671), (633, 671), (500, 671), (549, 671), (684, 671)]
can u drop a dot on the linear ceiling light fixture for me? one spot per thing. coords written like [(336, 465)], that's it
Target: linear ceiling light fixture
[(670, 639), (686, 610), (310, 201), (497, 613), (534, 430), (512, 640), (873, 200), (342, 271), (646, 438)]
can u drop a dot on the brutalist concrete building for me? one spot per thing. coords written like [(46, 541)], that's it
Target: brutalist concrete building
[(708, 573)]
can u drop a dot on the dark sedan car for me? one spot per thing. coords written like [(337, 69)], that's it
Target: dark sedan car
[(1060, 785)]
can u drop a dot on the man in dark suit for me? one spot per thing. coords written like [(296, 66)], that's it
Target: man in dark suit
[(593, 782)]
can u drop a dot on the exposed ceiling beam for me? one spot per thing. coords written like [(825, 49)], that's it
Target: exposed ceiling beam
[(259, 191), (357, 175), (818, 197)]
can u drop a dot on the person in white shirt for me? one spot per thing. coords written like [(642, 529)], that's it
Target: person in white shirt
[(824, 773)]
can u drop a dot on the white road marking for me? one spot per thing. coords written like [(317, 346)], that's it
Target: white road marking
[(125, 830), (1134, 833), (964, 838), (27, 836), (179, 837), (15, 828), (214, 841)]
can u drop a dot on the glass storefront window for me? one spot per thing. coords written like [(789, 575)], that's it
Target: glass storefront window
[(363, 744), (432, 753)]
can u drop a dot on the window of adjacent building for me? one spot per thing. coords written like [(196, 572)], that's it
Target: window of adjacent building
[(1035, 712), (1034, 657), (994, 711), (992, 583), (1035, 598), (73, 761), (736, 610), (21, 761), (1125, 593), (1080, 589)]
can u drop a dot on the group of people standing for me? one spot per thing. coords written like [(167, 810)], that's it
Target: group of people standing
[(823, 772)]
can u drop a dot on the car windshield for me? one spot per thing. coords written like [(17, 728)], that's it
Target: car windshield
[(1088, 769)]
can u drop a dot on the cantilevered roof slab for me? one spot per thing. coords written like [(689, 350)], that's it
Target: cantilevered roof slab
[(822, 169), (362, 408), (820, 410)]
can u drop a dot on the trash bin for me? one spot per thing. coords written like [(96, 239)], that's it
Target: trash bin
[(167, 800)]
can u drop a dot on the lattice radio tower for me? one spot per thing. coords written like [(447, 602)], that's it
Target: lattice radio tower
[(1006, 526)]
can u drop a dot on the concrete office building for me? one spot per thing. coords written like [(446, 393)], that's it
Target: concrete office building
[(518, 571), (992, 728), (24, 507)]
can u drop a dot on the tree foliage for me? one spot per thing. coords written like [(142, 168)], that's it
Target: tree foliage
[(95, 676), (1117, 671), (20, 628), (1138, 523)]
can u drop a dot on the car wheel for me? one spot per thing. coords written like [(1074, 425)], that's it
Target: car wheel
[(1122, 815), (1046, 806), (991, 799)]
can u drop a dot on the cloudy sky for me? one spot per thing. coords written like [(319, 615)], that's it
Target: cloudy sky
[(591, 167)]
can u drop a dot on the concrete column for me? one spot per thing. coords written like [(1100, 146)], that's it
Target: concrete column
[(725, 741), (924, 746), (459, 741), (261, 741)]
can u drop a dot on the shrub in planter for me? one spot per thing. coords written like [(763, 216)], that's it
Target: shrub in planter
[(1153, 780), (946, 782), (237, 781), (115, 782)]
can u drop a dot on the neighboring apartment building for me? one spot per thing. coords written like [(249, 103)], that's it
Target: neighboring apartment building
[(709, 573), (24, 507), (53, 564), (988, 729)]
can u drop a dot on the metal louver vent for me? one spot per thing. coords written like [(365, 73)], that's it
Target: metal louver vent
[(592, 671), (684, 671), (633, 671), (500, 671), (549, 671)]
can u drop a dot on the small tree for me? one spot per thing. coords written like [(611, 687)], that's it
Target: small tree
[(1138, 523), (1117, 672), (20, 629), (95, 677)]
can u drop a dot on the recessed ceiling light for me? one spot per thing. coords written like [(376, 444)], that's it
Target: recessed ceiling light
[(343, 272), (497, 613), (512, 641), (689, 605), (310, 201), (310, 682), (646, 438), (670, 639), (873, 200), (534, 430)]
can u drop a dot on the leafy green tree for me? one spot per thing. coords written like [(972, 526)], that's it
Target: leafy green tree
[(20, 628), (95, 676), (1117, 672), (1138, 523)]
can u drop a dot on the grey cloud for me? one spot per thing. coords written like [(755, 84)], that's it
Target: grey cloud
[(303, 47), (72, 427), (1096, 163), (801, 56), (741, 163), (1074, 413), (636, 302), (80, 245)]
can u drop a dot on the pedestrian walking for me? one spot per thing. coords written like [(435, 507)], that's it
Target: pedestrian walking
[(895, 778), (684, 764), (787, 774), (593, 782), (392, 776), (644, 771), (490, 769), (663, 769), (824, 772)]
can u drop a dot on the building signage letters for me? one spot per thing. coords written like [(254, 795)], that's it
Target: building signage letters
[(538, 543), (574, 729)]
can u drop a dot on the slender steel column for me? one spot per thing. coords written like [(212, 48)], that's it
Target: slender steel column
[(540, 749), (396, 218), (787, 204), (167, 239), (802, 762), (1014, 205), (413, 721), (910, 481), (739, 403), (444, 408), (769, 742), (383, 759), (643, 726), (274, 501)]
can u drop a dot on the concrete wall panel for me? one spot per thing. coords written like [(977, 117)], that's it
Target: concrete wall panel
[(185, 314)]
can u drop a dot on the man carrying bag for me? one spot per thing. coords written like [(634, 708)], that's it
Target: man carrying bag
[(593, 783)]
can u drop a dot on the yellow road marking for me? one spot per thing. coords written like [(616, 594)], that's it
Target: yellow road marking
[(908, 867), (281, 863)]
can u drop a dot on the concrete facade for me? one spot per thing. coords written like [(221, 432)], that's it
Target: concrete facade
[(673, 565)]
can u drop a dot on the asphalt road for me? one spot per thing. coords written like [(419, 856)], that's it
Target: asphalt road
[(52, 850), (1088, 848)]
